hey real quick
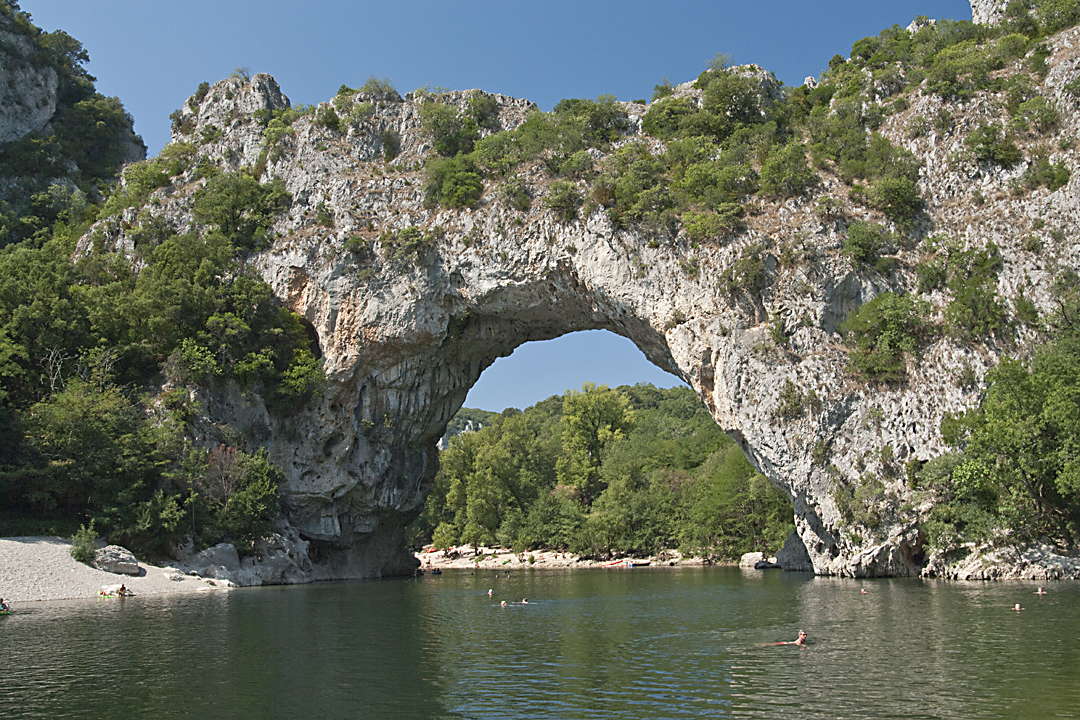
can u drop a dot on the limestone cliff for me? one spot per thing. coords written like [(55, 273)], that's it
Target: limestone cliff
[(404, 337)]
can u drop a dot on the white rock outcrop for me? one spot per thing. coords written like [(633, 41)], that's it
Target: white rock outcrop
[(116, 559)]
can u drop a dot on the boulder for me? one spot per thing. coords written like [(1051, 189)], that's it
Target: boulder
[(280, 558), (750, 560), (116, 559), (793, 555)]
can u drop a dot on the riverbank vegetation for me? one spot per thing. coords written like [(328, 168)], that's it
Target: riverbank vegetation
[(1014, 475), (104, 355), (599, 472)]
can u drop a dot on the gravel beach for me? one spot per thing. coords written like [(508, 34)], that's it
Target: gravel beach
[(41, 568)]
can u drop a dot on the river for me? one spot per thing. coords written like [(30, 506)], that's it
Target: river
[(636, 644)]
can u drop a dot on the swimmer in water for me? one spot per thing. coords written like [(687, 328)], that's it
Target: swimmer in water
[(800, 641), (502, 604), (524, 601), (1017, 607), (489, 592), (1040, 591), (863, 591)]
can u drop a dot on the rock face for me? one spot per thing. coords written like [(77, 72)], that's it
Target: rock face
[(116, 559), (793, 555), (988, 12), (27, 91), (404, 339)]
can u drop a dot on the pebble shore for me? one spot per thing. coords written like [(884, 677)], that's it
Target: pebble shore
[(34, 569)]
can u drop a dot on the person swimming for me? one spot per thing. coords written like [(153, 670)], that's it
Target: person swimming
[(1040, 591), (502, 604), (801, 640)]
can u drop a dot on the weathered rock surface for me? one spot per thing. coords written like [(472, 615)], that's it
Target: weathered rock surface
[(403, 340), (27, 90), (1034, 563), (278, 559), (793, 555), (116, 559), (988, 12)]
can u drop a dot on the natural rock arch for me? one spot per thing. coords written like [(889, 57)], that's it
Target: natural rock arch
[(750, 323), (404, 348)]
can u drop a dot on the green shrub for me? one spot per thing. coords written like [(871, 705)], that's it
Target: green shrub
[(380, 89), (665, 118), (1056, 15), (564, 199), (866, 243), (517, 195), (200, 94), (82, 544), (410, 241), (1043, 173), (662, 89), (786, 172), (241, 207), (1036, 115), (716, 225), (483, 110), (792, 402), (882, 334), (989, 144), (450, 134), (327, 118), (577, 166), (747, 274), (932, 274), (897, 197), (391, 144), (453, 182), (975, 310)]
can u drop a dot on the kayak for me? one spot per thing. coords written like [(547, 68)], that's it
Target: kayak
[(7, 612)]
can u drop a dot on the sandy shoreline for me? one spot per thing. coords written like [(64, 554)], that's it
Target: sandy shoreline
[(34, 569)]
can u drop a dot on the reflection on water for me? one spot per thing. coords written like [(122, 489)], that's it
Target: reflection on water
[(642, 643)]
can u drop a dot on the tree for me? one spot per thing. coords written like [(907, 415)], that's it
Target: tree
[(592, 418)]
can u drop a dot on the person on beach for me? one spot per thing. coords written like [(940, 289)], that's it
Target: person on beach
[(800, 641)]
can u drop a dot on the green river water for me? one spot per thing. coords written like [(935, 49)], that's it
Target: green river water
[(637, 644)]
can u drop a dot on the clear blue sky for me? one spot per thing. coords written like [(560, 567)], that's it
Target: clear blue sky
[(152, 54)]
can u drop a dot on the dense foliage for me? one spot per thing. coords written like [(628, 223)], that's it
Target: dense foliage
[(89, 340), (600, 472), (1016, 474)]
